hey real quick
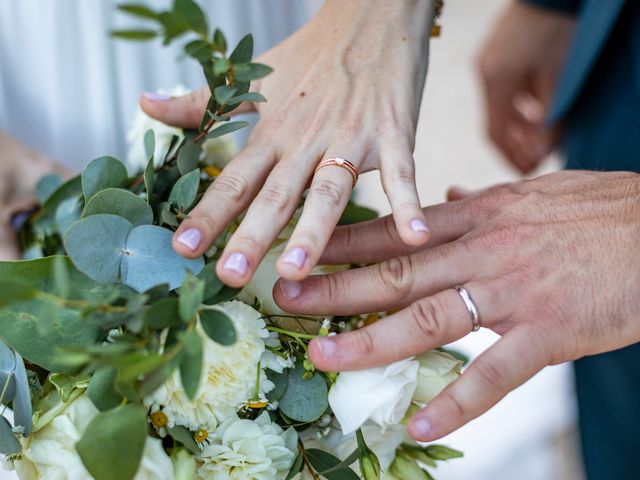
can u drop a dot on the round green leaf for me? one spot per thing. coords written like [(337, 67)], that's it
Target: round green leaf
[(218, 326), (188, 157), (191, 364), (305, 400), (46, 186), (184, 192), (112, 445), (101, 173), (150, 259), (122, 203), (67, 213), (7, 372), (97, 244), (281, 382)]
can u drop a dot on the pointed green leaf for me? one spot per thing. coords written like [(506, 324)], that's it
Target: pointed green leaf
[(224, 93), (149, 144), (212, 284), (138, 10), (297, 466), (251, 71), (243, 51), (193, 14), (185, 437), (191, 296), (184, 192), (112, 445), (162, 314), (225, 128), (22, 409), (220, 41), (247, 97), (134, 34), (321, 461), (122, 203), (218, 326), (199, 49), (101, 173), (7, 373), (191, 364), (102, 389), (149, 173)]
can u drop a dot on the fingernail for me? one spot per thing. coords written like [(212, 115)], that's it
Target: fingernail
[(420, 428), (327, 347), (296, 257), (190, 238), (290, 289), (237, 263), (156, 97), (419, 226)]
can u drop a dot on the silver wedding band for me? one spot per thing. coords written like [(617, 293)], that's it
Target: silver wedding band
[(471, 306)]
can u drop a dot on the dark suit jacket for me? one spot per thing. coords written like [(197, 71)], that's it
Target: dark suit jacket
[(598, 94)]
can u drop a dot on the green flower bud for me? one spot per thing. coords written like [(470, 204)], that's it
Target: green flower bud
[(369, 466), (184, 465), (440, 452), (407, 469)]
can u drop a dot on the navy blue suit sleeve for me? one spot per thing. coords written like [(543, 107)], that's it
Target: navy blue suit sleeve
[(569, 6)]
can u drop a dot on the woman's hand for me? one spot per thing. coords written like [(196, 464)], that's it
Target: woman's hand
[(346, 85), (552, 265), (20, 170), (519, 67)]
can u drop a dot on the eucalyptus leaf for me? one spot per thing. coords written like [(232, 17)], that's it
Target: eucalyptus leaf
[(225, 294), (122, 203), (68, 212), (305, 400), (151, 260), (219, 41), (149, 172), (102, 389), (297, 466), (247, 97), (22, 409), (212, 284), (218, 326), (101, 173), (281, 382), (191, 296), (322, 461), (112, 445), (221, 66), (162, 314), (251, 71), (138, 10), (243, 51), (224, 93), (47, 186), (175, 25), (225, 128), (12, 292), (134, 34), (346, 463), (185, 437), (189, 157), (184, 192), (191, 364), (7, 373), (193, 14), (356, 214), (149, 144), (9, 444), (198, 49)]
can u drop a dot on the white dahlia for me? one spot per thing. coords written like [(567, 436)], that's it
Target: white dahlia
[(248, 450), (228, 377)]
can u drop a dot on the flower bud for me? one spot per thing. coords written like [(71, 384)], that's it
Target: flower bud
[(405, 468), (369, 466), (184, 464)]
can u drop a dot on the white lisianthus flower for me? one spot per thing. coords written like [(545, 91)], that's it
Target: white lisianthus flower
[(50, 453), (216, 152), (248, 450), (381, 395), (437, 370), (228, 378)]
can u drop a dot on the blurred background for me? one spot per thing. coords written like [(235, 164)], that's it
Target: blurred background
[(70, 92)]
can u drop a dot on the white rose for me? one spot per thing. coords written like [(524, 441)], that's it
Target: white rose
[(437, 370), (381, 394), (50, 452), (248, 450), (228, 378), (216, 152)]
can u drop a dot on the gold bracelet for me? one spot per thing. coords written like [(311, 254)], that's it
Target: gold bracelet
[(436, 28)]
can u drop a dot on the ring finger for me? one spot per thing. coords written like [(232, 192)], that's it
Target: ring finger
[(328, 195)]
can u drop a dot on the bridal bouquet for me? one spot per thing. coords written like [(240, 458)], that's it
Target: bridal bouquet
[(121, 360)]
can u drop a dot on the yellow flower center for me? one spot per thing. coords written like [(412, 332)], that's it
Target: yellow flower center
[(371, 319), (212, 171), (201, 435), (256, 404), (159, 419)]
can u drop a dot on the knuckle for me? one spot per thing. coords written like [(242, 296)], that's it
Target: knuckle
[(491, 375), (425, 315), (329, 191), (251, 243), (450, 398), (396, 274), (365, 343), (274, 198), (332, 286), (232, 186)]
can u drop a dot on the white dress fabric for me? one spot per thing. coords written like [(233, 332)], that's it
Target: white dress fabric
[(70, 90)]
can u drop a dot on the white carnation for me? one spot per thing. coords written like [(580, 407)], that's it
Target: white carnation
[(228, 378), (248, 450), (216, 152), (437, 370), (50, 452)]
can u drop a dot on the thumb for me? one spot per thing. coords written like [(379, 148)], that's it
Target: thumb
[(185, 111)]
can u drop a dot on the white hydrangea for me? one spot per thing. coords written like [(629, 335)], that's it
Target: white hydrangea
[(50, 452), (228, 379), (248, 450), (217, 152)]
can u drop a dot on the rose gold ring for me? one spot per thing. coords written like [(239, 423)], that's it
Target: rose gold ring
[(342, 163)]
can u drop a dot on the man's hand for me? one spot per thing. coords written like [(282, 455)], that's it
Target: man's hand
[(519, 66), (552, 265), (347, 85)]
